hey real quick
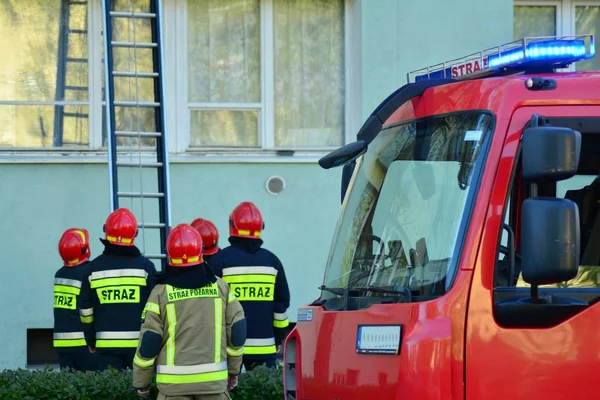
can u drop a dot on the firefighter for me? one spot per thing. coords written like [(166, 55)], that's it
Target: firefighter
[(257, 279), (115, 292), (69, 341), (193, 328), (210, 238)]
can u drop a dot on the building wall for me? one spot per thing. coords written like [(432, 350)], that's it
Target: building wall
[(40, 200), (399, 36)]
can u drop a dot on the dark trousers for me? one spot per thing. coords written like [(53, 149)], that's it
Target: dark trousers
[(121, 360), (251, 364), (79, 359)]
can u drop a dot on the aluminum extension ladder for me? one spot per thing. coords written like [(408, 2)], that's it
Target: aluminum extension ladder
[(147, 154)]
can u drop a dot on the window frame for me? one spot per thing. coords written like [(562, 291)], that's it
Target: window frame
[(545, 3), (93, 67), (467, 212), (266, 120), (177, 109)]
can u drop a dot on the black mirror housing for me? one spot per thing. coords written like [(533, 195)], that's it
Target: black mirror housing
[(343, 155), (549, 240), (550, 153)]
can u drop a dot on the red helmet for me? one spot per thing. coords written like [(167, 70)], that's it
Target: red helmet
[(246, 221), (184, 246), (209, 233), (74, 247), (121, 227)]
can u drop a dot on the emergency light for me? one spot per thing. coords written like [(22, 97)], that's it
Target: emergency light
[(531, 54)]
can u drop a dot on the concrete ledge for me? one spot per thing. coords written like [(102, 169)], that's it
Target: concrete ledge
[(102, 158)]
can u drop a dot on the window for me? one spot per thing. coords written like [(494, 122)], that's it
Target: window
[(265, 74), (563, 17), (40, 348), (241, 74), (384, 238), (130, 119), (582, 189), (44, 97)]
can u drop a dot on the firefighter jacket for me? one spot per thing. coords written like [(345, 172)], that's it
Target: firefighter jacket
[(208, 259), (193, 332), (257, 279), (68, 328), (113, 297)]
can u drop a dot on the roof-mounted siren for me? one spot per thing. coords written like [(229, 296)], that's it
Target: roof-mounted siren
[(529, 55)]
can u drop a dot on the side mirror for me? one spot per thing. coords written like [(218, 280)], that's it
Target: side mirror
[(343, 155), (550, 153), (549, 241)]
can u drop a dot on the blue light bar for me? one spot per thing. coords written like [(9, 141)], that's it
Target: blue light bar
[(561, 51), (529, 54)]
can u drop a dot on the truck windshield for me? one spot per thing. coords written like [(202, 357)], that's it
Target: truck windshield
[(407, 202)]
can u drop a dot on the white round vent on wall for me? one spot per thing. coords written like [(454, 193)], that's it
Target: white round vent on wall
[(275, 185)]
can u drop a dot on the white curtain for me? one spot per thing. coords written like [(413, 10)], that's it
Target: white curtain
[(587, 21), (309, 72), (224, 64), (534, 21), (224, 67)]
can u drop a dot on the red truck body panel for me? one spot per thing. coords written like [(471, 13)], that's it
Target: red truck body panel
[(451, 346)]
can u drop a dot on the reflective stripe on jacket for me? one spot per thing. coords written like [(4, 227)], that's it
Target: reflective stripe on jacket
[(258, 281), (113, 297), (68, 328), (196, 354)]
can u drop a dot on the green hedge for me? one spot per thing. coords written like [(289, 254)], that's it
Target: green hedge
[(259, 384)]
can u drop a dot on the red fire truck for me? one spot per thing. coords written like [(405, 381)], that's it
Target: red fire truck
[(465, 260)]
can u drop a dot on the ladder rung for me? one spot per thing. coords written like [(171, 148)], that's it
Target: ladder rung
[(78, 31), (77, 60), (82, 88), (76, 115), (155, 256), (138, 45), (151, 226), (140, 134), (139, 164), (131, 74), (125, 14), (140, 195), (123, 103)]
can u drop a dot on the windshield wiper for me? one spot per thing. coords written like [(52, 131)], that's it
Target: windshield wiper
[(394, 290), (334, 290)]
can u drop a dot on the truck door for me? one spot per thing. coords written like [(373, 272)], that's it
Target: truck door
[(554, 355)]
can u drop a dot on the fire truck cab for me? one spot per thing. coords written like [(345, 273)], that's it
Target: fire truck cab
[(466, 259)]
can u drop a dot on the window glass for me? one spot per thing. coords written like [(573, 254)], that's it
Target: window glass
[(573, 189), (587, 21), (44, 58), (224, 66), (401, 222), (534, 21), (241, 126), (131, 89), (309, 73)]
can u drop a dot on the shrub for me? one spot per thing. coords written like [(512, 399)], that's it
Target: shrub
[(259, 384)]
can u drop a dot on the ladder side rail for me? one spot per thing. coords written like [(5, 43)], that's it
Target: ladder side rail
[(110, 111), (160, 115), (61, 72)]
